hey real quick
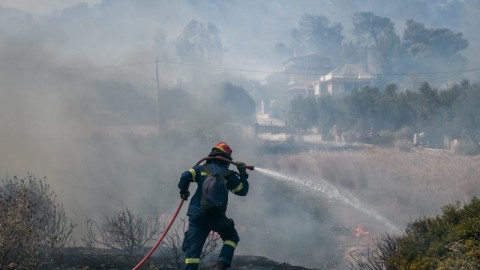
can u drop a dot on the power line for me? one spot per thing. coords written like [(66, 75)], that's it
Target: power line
[(112, 66), (268, 71)]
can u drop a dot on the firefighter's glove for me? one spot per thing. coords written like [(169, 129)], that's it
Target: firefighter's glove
[(184, 194), (242, 168)]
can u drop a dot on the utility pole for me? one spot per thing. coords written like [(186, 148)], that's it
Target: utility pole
[(158, 95), (306, 76)]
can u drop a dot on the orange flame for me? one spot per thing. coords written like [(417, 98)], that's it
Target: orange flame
[(359, 231)]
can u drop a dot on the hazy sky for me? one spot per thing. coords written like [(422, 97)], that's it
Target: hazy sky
[(43, 6), (116, 31)]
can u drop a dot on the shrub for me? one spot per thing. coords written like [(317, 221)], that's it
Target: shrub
[(466, 149), (449, 241), (374, 257), (33, 224), (124, 231), (386, 138)]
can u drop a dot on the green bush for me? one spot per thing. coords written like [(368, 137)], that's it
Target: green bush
[(449, 241)]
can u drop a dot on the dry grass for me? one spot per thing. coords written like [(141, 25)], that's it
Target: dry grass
[(400, 185)]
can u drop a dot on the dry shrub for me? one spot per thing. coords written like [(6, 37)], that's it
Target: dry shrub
[(125, 232), (374, 257), (33, 224)]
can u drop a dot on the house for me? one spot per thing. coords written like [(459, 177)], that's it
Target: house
[(343, 80), (302, 70)]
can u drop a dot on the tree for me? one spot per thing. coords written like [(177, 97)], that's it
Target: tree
[(389, 51), (199, 43), (315, 33), (303, 112), (434, 48), (367, 26), (465, 110), (364, 108), (428, 104), (237, 103), (33, 224), (327, 113), (420, 39), (378, 34)]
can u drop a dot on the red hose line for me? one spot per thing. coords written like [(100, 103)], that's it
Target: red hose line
[(161, 237), (250, 167)]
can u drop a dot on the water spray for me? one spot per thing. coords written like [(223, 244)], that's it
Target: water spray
[(329, 191)]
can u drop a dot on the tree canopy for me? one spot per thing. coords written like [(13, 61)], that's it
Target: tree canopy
[(376, 43), (199, 43), (369, 25), (316, 34), (419, 39)]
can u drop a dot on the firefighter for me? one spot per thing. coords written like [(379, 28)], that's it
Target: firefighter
[(200, 221)]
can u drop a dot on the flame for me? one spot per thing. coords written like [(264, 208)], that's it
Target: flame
[(162, 217), (359, 231)]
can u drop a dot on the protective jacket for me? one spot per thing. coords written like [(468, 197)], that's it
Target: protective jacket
[(236, 184)]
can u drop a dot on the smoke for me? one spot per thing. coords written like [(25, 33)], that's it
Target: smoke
[(79, 95)]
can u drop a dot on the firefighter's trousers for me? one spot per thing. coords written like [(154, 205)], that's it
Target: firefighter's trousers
[(199, 227)]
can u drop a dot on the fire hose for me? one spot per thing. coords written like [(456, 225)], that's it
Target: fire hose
[(250, 167)]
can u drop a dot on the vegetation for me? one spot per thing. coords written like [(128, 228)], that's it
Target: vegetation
[(449, 241), (315, 33), (451, 112), (373, 258), (420, 49), (33, 225), (199, 43), (124, 231)]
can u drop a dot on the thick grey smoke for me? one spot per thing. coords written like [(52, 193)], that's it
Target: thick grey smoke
[(78, 103)]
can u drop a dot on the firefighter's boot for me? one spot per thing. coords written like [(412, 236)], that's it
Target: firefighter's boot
[(221, 266)]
